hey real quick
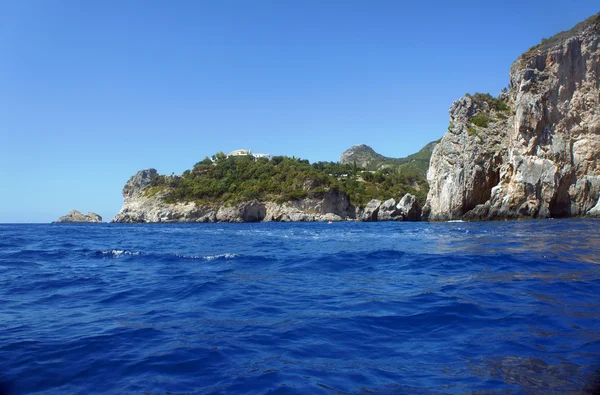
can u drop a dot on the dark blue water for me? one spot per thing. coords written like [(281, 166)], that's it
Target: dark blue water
[(415, 308)]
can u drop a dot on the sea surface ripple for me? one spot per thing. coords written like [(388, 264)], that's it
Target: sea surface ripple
[(415, 308)]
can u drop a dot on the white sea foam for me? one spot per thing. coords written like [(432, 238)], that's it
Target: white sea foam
[(118, 253), (208, 257), (226, 256)]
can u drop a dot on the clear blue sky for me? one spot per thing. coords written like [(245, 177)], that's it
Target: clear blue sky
[(92, 91)]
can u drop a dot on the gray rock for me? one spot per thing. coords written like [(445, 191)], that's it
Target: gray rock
[(229, 214), (329, 202), (595, 211), (330, 217), (76, 216), (371, 210), (139, 181), (388, 211), (409, 208), (253, 212), (539, 159), (297, 217), (243, 212), (286, 213)]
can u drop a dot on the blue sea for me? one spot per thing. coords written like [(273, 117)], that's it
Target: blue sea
[(301, 308)]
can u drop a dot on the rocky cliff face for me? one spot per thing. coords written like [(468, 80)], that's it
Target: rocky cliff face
[(76, 216), (535, 151)]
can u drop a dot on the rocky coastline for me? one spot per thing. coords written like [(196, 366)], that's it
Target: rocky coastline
[(532, 152), (332, 206)]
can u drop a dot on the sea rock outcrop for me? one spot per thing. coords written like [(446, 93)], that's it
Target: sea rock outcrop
[(595, 211), (388, 211), (371, 211), (535, 151), (407, 209), (76, 216), (144, 205)]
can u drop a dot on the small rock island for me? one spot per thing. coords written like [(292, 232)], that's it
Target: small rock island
[(76, 216)]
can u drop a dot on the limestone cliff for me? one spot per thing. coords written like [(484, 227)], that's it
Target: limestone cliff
[(535, 151)]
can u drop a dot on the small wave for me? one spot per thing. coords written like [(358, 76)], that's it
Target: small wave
[(225, 256), (119, 253), (208, 257)]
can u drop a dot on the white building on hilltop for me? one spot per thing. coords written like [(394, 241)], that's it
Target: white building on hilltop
[(268, 156), (240, 152), (243, 152)]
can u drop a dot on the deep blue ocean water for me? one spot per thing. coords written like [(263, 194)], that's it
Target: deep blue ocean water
[(306, 308)]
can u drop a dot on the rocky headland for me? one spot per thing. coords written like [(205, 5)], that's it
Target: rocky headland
[(142, 206), (533, 152), (76, 216)]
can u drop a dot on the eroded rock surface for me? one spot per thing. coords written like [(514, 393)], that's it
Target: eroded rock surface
[(407, 209), (371, 211), (537, 158)]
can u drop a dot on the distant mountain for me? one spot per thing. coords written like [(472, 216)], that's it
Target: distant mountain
[(365, 157)]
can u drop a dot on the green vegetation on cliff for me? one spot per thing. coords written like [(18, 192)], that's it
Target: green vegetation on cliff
[(493, 102), (490, 110), (243, 178), (558, 38)]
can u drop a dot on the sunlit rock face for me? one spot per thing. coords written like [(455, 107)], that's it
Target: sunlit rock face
[(535, 152)]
